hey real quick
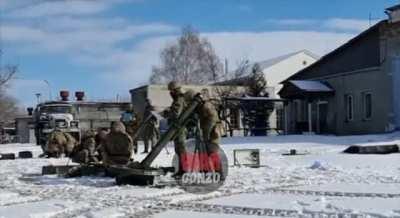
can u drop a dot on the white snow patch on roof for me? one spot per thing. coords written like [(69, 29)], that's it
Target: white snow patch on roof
[(311, 86)]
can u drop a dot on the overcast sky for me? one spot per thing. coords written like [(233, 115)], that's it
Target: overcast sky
[(106, 47)]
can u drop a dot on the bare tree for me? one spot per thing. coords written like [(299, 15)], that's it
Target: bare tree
[(8, 108), (8, 105), (191, 60), (242, 68), (6, 74)]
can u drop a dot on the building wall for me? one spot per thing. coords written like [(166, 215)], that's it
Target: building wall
[(371, 63), (370, 81), (138, 99), (98, 115), (23, 131), (161, 97)]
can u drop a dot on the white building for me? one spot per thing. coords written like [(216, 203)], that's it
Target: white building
[(275, 71), (279, 68)]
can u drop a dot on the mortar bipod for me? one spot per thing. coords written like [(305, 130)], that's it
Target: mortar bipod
[(172, 131)]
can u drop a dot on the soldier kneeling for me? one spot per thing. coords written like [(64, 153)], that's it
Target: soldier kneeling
[(86, 152), (60, 143), (117, 147)]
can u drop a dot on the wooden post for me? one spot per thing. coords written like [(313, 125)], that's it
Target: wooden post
[(309, 117), (318, 129), (285, 117)]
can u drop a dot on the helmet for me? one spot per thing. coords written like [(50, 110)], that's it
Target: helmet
[(117, 126), (173, 86), (205, 93)]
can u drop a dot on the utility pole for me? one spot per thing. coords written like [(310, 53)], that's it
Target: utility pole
[(49, 87), (1, 39), (226, 67)]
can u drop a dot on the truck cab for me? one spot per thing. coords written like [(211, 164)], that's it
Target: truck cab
[(50, 116)]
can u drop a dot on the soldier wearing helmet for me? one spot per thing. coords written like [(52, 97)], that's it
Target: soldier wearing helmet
[(207, 119), (131, 122), (176, 108), (150, 132), (118, 145), (210, 124)]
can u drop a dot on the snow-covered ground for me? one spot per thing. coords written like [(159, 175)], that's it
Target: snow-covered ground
[(323, 183)]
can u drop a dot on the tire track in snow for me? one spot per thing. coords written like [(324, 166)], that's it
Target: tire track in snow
[(333, 194), (253, 211)]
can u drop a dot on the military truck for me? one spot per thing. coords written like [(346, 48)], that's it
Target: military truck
[(75, 117), (52, 115)]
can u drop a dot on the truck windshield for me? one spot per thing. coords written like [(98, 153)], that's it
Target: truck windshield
[(56, 109)]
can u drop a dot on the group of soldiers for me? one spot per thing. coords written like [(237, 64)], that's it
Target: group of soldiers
[(117, 145), (113, 146)]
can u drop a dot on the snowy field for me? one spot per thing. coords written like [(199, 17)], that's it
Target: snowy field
[(323, 183)]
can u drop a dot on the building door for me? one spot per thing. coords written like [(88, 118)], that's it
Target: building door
[(322, 125)]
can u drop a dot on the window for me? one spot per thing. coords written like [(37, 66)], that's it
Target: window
[(56, 109), (367, 105), (349, 107)]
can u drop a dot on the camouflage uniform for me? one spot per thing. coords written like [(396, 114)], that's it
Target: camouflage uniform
[(117, 147), (210, 124), (60, 143), (86, 152), (100, 140), (131, 128), (100, 137), (177, 107), (131, 122), (150, 131)]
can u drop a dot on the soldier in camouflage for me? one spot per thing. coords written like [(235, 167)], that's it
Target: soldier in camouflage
[(176, 108), (210, 123), (132, 123), (117, 147), (86, 152), (150, 132), (60, 143)]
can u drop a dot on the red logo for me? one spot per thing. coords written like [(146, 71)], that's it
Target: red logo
[(200, 162)]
